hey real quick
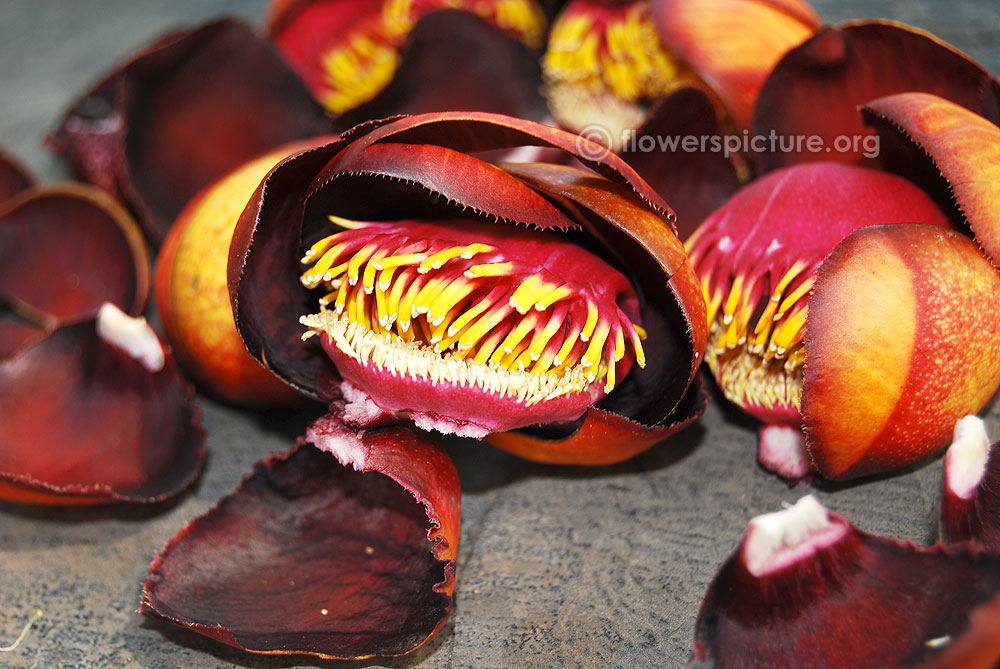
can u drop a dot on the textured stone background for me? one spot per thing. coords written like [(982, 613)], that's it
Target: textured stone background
[(557, 567)]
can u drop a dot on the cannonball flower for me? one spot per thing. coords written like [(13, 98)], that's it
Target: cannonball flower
[(609, 62), (393, 269), (858, 342)]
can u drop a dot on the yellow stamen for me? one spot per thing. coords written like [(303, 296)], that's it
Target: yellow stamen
[(489, 269)]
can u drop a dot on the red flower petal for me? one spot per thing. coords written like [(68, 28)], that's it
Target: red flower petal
[(68, 249), (604, 438), (806, 588), (82, 421), (180, 113), (14, 178), (348, 560), (816, 88), (926, 138), (970, 499)]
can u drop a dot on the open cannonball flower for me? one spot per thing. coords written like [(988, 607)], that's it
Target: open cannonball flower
[(806, 588), (609, 61), (872, 335), (470, 297), (367, 59), (342, 548), (93, 409)]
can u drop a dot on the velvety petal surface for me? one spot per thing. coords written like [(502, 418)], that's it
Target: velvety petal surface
[(816, 88), (927, 138), (83, 421), (734, 44), (341, 548), (68, 249), (901, 320), (180, 113), (825, 594)]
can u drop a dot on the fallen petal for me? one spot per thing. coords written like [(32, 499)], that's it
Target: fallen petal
[(970, 499), (816, 89), (183, 111), (89, 419), (927, 138), (342, 548), (68, 249), (806, 588)]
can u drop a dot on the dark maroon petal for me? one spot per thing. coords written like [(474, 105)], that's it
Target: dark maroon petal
[(806, 589), (695, 183), (84, 422), (182, 112), (68, 249), (816, 88), (347, 553), (455, 61), (14, 178), (970, 496)]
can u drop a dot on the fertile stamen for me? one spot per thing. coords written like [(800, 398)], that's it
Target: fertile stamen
[(447, 307)]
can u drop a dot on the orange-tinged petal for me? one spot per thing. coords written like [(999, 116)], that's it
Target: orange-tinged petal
[(963, 146), (901, 325), (734, 44)]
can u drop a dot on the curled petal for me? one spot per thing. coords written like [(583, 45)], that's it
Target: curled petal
[(970, 499), (14, 178), (927, 138), (68, 249), (733, 45), (806, 588), (900, 322), (604, 437), (342, 548), (180, 113), (96, 412), (816, 88)]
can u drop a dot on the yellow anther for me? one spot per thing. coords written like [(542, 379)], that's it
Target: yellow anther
[(320, 248), (371, 267), (786, 333), (437, 260), (456, 291), (733, 301), (406, 303), (346, 223), (484, 349), (591, 323), (596, 346), (796, 295), (482, 305), (514, 338), (489, 269), (551, 297), (354, 264), (489, 321), (402, 259), (341, 297), (619, 343), (637, 334), (528, 292), (610, 384), (543, 336)]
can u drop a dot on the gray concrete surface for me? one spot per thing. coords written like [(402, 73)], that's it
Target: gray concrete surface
[(557, 567)]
